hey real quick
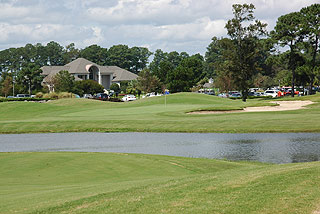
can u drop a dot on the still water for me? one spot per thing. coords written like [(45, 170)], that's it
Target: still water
[(273, 148)]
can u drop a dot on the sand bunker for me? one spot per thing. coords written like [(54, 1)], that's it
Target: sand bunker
[(282, 106)]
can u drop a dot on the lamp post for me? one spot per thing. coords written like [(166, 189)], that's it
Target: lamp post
[(29, 81), (13, 82)]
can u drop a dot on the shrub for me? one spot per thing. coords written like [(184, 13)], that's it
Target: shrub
[(52, 95), (62, 95), (115, 87), (39, 95)]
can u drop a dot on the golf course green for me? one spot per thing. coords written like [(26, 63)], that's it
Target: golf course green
[(75, 182), (131, 183), (156, 114)]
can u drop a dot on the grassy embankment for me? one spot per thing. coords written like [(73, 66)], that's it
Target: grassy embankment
[(151, 115), (132, 183)]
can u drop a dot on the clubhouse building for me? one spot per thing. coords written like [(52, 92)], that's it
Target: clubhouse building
[(83, 69)]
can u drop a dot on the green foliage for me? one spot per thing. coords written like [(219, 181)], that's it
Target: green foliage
[(30, 74), (96, 54), (120, 55), (187, 74), (139, 58), (288, 31), (244, 31), (88, 87), (64, 82), (148, 82), (6, 85), (115, 87)]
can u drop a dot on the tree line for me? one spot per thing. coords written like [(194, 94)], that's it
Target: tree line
[(248, 57)]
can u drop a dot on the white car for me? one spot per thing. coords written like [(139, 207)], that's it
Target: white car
[(129, 97), (272, 93), (259, 94)]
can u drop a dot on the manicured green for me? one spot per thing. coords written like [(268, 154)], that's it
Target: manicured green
[(151, 115), (135, 183)]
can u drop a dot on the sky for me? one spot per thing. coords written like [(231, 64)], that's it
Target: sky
[(169, 25)]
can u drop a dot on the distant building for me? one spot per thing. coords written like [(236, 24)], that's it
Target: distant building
[(83, 69)]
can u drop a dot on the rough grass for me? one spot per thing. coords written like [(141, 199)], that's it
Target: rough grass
[(134, 183), (151, 115)]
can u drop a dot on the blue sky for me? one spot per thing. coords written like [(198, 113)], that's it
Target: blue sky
[(181, 25)]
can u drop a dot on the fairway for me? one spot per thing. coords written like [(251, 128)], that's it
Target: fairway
[(152, 115), (132, 183)]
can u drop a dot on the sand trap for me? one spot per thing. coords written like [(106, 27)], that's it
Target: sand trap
[(283, 106)]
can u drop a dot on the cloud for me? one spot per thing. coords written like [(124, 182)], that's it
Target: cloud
[(182, 25)]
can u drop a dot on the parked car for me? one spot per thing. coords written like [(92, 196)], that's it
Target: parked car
[(223, 95), (129, 97), (210, 92), (152, 94), (22, 95), (235, 95), (251, 93), (87, 96), (101, 96), (259, 94), (272, 93)]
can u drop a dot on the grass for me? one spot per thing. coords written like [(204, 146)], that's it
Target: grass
[(135, 183), (151, 115)]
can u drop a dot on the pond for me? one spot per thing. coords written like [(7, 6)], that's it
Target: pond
[(263, 147)]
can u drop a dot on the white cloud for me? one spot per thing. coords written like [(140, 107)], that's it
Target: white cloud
[(182, 25)]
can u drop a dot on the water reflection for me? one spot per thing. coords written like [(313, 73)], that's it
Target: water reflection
[(273, 148)]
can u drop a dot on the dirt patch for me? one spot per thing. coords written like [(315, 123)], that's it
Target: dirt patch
[(282, 106)]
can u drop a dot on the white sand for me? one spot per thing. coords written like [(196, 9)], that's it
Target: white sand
[(282, 106)]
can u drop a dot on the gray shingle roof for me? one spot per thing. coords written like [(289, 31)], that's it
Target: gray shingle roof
[(81, 66), (46, 70), (120, 74)]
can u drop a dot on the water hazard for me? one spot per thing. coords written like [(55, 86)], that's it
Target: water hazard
[(273, 148)]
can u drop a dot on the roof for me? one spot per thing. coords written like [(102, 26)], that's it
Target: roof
[(46, 70), (208, 85), (82, 66), (120, 74)]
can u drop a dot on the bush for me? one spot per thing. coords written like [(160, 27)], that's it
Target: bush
[(115, 87), (115, 99), (24, 99), (52, 95), (88, 87), (62, 95), (39, 95)]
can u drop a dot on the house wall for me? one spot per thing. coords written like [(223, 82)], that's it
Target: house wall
[(106, 81)]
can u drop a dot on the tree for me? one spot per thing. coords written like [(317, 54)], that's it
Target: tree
[(213, 56), (70, 53), (64, 82), (87, 87), (147, 82), (54, 53), (29, 78), (139, 58), (115, 87), (120, 55), (288, 32), (6, 86), (187, 74), (244, 30), (311, 27), (96, 54)]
